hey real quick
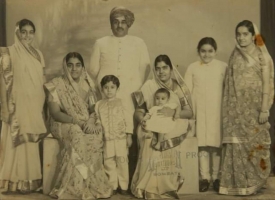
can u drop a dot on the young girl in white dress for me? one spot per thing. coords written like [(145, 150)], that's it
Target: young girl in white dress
[(205, 80)]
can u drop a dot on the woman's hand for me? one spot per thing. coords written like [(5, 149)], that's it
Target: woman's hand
[(129, 140), (166, 112), (88, 128), (263, 117), (143, 124), (97, 128)]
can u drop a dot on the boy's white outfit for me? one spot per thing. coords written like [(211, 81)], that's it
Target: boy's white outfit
[(161, 124), (110, 114), (205, 82)]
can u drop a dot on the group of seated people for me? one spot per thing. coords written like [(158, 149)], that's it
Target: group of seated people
[(91, 125)]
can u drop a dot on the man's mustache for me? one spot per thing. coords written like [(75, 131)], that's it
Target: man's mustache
[(120, 29)]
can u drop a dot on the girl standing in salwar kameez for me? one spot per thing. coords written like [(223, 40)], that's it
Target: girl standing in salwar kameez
[(248, 96), (22, 101), (205, 80)]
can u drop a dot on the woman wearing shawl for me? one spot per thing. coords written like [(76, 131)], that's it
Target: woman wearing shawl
[(157, 173), (248, 96), (71, 104), (22, 100)]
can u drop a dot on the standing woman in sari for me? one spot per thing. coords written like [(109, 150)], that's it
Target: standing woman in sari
[(71, 103), (248, 96), (158, 172), (22, 100)]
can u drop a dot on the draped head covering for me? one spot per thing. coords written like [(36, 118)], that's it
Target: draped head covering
[(122, 11), (150, 87), (23, 80), (268, 61), (83, 78), (176, 75)]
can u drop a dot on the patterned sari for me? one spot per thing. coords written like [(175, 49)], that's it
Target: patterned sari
[(80, 169), (22, 101), (157, 174), (246, 162)]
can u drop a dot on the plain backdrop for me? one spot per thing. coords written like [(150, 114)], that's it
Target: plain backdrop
[(172, 27)]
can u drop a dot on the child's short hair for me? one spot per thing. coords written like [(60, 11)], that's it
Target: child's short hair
[(163, 90), (108, 78), (207, 40)]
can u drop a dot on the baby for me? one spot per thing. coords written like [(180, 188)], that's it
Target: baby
[(158, 123)]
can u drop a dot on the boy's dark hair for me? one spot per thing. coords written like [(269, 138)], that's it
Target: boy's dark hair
[(163, 90), (109, 78)]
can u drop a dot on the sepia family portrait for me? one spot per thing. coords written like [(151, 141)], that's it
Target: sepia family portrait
[(137, 99)]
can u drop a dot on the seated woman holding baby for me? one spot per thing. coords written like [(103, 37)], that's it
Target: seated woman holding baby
[(163, 116)]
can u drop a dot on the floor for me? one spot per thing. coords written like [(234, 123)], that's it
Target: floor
[(265, 194)]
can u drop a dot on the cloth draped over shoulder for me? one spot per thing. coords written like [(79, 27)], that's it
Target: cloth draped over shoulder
[(181, 96), (159, 172), (22, 94), (243, 93), (80, 169), (75, 99), (146, 93), (246, 159)]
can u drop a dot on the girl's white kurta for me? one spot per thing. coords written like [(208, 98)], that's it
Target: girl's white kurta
[(205, 82)]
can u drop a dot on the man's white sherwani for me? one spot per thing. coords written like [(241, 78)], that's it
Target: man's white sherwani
[(125, 57)]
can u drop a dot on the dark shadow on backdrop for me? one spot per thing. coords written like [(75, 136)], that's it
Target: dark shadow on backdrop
[(268, 32), (3, 23), (2, 33)]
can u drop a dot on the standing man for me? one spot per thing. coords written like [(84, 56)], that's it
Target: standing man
[(127, 58)]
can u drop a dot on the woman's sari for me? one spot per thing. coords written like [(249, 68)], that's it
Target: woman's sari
[(246, 162), (80, 169), (22, 101), (157, 173)]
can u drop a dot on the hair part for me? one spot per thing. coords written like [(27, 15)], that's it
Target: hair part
[(109, 78), (207, 40), (163, 90), (248, 24), (25, 22), (74, 55), (165, 59)]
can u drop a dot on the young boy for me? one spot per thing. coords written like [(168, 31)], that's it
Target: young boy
[(110, 116), (163, 125)]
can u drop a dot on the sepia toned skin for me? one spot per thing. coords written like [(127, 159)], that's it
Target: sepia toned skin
[(27, 34), (207, 53), (75, 69), (163, 71), (246, 41), (119, 26)]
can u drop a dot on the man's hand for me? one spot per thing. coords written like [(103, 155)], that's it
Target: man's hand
[(129, 140)]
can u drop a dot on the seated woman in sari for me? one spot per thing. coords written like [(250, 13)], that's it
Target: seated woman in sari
[(157, 173), (248, 96), (71, 102)]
